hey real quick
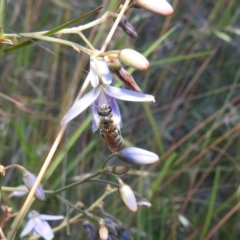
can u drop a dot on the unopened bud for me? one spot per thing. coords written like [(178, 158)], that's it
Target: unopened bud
[(128, 28), (134, 59), (125, 235), (133, 155), (2, 170), (128, 196), (29, 180), (90, 230), (128, 79), (114, 64), (157, 6), (103, 232)]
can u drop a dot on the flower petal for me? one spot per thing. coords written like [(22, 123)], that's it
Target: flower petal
[(93, 74), (43, 229), (51, 217), (128, 95), (104, 71), (80, 105), (98, 67), (28, 228)]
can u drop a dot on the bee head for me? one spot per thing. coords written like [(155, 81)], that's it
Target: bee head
[(104, 110)]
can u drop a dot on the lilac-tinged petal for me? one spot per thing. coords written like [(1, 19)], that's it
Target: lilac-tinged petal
[(28, 228), (81, 105), (93, 74), (116, 113), (50, 217), (104, 71), (99, 68), (43, 229), (128, 95)]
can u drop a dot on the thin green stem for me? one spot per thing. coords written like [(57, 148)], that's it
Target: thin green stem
[(3, 4), (108, 159), (77, 182), (85, 212)]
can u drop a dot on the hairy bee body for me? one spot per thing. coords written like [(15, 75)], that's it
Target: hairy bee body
[(108, 130)]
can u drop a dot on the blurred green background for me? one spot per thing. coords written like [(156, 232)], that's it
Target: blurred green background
[(193, 125)]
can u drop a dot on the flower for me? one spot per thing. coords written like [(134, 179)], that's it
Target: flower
[(133, 155), (101, 79), (38, 225), (29, 180)]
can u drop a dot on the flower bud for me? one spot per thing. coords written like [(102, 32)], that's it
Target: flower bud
[(112, 231), (127, 28), (29, 180), (157, 6), (103, 232), (134, 59), (90, 230), (118, 169), (128, 196), (20, 191), (133, 155), (125, 235), (2, 170), (128, 79), (114, 64)]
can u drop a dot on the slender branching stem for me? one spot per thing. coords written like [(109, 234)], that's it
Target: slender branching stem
[(115, 25), (108, 159)]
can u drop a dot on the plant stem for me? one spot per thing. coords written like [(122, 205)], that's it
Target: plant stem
[(3, 4), (114, 27)]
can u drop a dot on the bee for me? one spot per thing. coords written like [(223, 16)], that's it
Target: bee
[(108, 130)]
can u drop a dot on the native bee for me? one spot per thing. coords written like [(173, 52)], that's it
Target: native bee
[(108, 130)]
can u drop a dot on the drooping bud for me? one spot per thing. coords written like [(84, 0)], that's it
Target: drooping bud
[(90, 230), (133, 155), (128, 196), (128, 28), (125, 235), (128, 79), (111, 227), (29, 180), (103, 232), (134, 59), (157, 6), (20, 191)]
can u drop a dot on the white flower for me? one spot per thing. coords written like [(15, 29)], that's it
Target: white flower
[(38, 225), (101, 79)]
